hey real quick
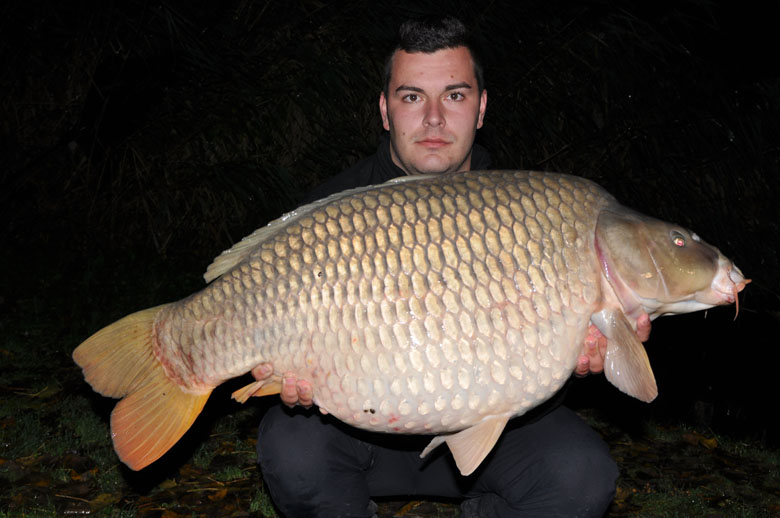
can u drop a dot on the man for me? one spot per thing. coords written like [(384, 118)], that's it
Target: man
[(548, 462)]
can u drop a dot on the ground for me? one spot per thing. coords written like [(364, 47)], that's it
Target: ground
[(56, 460)]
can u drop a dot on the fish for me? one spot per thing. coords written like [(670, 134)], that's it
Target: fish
[(433, 304)]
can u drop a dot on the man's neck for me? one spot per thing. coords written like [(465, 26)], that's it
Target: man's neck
[(464, 166)]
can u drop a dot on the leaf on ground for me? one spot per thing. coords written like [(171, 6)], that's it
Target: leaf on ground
[(622, 493), (218, 495), (168, 483), (698, 439), (103, 500), (79, 466), (191, 471)]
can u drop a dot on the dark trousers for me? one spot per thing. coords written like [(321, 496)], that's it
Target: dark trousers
[(313, 465)]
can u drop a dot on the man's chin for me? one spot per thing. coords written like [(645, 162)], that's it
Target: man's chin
[(433, 167)]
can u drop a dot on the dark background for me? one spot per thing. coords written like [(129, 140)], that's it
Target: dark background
[(139, 139)]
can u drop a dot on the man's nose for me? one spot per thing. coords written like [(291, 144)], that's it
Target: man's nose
[(434, 114)]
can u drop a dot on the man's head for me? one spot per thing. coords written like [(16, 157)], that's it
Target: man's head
[(434, 99), (429, 35)]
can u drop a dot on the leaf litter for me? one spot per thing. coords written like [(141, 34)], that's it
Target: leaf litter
[(69, 469)]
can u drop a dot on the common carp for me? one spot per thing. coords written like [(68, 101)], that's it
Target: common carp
[(440, 304)]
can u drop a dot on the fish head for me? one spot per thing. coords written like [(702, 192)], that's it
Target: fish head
[(661, 268)]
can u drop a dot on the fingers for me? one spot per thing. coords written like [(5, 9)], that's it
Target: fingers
[(305, 395), (591, 361), (289, 393), (296, 392), (263, 371), (643, 327), (583, 366)]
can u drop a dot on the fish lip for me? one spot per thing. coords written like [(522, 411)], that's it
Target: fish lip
[(727, 283), (738, 278)]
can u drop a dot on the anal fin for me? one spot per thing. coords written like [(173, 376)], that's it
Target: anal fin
[(469, 447)]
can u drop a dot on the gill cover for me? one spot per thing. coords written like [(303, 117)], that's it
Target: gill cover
[(653, 262)]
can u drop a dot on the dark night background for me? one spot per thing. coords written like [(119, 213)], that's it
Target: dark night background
[(140, 139)]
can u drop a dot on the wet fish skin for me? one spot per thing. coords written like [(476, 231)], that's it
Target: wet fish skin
[(441, 305), (414, 313)]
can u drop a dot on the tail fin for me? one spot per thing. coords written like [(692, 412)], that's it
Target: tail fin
[(118, 361)]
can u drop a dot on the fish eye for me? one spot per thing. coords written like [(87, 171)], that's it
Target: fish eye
[(677, 238)]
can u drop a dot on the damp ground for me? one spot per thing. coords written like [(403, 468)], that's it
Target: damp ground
[(56, 460)]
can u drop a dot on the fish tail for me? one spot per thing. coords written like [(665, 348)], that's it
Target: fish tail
[(118, 361)]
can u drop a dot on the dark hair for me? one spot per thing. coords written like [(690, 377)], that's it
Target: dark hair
[(432, 34)]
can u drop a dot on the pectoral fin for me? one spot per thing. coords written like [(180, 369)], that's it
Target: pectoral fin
[(626, 364), (469, 447)]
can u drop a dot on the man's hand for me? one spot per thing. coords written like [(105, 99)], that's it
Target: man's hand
[(294, 391), (592, 359)]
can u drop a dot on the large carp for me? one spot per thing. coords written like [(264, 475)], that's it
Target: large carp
[(441, 305)]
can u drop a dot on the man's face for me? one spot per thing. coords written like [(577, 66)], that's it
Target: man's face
[(432, 110)]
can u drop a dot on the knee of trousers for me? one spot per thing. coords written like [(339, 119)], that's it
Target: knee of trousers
[(583, 481), (306, 462), (298, 442)]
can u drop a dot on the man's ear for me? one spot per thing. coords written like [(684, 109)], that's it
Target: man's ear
[(383, 110), (482, 108)]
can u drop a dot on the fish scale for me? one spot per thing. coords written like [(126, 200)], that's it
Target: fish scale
[(440, 308), (441, 304)]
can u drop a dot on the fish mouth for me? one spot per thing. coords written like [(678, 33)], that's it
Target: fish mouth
[(727, 284)]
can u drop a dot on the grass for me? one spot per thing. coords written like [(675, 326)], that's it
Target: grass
[(677, 469), (261, 503)]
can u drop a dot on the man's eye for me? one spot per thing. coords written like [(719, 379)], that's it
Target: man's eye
[(411, 98), (456, 96)]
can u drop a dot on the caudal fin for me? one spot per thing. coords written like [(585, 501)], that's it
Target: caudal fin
[(118, 361)]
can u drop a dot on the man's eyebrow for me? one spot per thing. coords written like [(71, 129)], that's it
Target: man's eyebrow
[(456, 86)]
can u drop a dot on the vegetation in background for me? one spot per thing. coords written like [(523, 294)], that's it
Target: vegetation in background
[(140, 139), (171, 126)]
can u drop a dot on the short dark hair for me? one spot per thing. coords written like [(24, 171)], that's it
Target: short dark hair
[(431, 34)]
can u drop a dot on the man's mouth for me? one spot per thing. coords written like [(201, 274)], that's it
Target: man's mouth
[(433, 142)]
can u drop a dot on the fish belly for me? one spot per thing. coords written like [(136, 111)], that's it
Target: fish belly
[(420, 306)]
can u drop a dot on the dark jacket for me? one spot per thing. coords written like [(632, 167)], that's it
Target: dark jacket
[(379, 168)]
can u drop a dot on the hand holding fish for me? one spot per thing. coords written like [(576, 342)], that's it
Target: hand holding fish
[(293, 392), (591, 361)]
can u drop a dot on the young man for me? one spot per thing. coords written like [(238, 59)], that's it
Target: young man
[(548, 462)]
